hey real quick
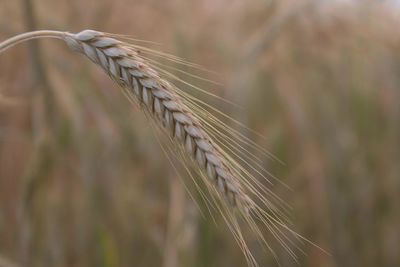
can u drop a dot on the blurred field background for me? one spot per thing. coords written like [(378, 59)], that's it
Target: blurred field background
[(83, 181)]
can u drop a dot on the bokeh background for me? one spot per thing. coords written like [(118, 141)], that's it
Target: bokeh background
[(83, 181)]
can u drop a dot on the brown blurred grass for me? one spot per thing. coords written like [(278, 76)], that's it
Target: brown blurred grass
[(84, 183)]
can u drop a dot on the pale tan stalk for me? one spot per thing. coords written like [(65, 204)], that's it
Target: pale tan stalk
[(191, 128), (157, 97)]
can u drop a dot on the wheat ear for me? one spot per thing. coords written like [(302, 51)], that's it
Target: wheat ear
[(190, 126), (157, 97)]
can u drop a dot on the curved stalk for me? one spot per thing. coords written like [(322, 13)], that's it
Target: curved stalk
[(29, 36)]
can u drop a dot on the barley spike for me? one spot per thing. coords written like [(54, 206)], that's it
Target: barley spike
[(123, 65)]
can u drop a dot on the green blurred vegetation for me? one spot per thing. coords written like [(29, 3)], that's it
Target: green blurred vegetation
[(83, 181)]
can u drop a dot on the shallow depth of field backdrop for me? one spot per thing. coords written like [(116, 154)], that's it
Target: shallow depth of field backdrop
[(83, 181)]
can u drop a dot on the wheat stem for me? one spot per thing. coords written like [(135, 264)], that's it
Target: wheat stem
[(30, 36)]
